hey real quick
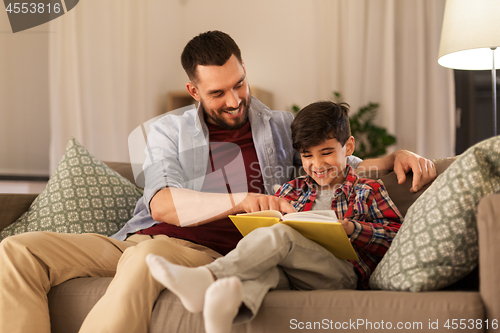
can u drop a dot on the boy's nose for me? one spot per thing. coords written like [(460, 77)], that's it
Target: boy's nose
[(317, 161)]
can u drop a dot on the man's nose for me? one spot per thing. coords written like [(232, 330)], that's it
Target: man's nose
[(233, 100)]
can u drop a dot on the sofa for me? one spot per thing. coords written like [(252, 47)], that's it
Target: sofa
[(471, 304)]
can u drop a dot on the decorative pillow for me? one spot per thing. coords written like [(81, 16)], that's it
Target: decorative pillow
[(83, 196), (437, 244)]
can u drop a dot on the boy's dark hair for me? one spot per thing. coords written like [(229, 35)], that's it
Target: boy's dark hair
[(318, 122), (211, 48)]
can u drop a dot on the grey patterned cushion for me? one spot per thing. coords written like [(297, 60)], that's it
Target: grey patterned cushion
[(437, 244), (83, 195)]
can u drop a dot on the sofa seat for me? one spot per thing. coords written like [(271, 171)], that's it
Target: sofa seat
[(287, 311)]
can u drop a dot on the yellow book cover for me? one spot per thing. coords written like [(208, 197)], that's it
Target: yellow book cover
[(321, 226)]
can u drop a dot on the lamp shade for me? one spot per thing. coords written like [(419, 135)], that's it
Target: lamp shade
[(470, 29)]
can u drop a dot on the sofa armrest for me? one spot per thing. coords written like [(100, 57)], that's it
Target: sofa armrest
[(400, 194), (12, 206), (488, 222)]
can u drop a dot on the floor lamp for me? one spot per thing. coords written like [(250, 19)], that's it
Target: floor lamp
[(470, 39)]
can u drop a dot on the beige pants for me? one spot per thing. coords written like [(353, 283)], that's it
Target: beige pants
[(32, 263)]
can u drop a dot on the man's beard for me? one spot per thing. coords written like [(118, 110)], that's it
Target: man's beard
[(219, 121)]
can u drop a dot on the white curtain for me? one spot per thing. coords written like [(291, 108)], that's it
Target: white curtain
[(112, 62), (386, 51), (97, 78)]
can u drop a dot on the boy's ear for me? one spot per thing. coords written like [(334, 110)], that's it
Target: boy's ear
[(350, 146), (193, 91)]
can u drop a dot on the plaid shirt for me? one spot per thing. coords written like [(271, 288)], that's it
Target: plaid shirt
[(364, 202)]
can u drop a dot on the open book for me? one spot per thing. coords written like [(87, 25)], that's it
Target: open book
[(321, 226)]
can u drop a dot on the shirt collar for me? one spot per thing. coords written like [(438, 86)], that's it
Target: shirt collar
[(351, 180), (200, 120)]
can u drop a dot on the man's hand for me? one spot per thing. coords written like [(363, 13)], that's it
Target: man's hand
[(403, 161), (424, 170), (257, 202)]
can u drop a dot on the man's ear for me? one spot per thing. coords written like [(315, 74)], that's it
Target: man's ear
[(193, 91), (350, 146)]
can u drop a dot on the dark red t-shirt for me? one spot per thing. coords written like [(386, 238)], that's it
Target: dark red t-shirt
[(221, 235)]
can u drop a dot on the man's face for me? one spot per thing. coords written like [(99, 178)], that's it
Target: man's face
[(223, 93), (326, 162)]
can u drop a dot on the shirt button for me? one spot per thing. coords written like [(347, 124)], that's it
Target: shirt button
[(270, 150)]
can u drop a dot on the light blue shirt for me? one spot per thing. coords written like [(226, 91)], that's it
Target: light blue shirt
[(177, 155)]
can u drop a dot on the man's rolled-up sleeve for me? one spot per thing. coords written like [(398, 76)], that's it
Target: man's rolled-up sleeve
[(162, 167)]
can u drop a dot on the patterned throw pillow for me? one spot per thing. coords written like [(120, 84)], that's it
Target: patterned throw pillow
[(437, 244), (83, 196)]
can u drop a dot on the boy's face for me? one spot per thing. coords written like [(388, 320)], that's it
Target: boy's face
[(326, 162)]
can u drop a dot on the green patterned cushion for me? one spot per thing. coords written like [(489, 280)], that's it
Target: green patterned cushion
[(437, 244), (83, 195)]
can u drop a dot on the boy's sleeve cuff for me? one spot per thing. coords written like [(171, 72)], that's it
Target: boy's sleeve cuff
[(357, 230)]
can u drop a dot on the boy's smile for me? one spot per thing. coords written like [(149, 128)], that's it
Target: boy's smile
[(326, 162)]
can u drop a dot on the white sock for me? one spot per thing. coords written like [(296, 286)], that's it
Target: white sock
[(188, 283), (222, 302)]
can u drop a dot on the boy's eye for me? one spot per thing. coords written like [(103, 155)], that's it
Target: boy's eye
[(305, 156), (325, 154)]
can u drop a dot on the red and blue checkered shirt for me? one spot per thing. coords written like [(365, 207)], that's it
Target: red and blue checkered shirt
[(366, 203)]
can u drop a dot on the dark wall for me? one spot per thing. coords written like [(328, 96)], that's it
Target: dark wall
[(473, 93)]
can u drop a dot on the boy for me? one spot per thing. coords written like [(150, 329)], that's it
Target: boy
[(231, 288)]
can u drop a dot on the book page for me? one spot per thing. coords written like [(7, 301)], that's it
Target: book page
[(265, 213), (315, 215)]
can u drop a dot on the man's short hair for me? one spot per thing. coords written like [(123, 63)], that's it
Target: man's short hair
[(211, 48), (318, 122)]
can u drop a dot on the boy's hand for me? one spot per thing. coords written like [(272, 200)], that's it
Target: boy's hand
[(257, 202), (348, 226)]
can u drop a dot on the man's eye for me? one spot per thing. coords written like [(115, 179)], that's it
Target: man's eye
[(306, 156), (325, 154)]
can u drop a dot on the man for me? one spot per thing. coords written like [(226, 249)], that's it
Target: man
[(185, 155)]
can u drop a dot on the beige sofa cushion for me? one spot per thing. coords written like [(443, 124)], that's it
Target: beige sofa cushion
[(72, 300), (12, 206)]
